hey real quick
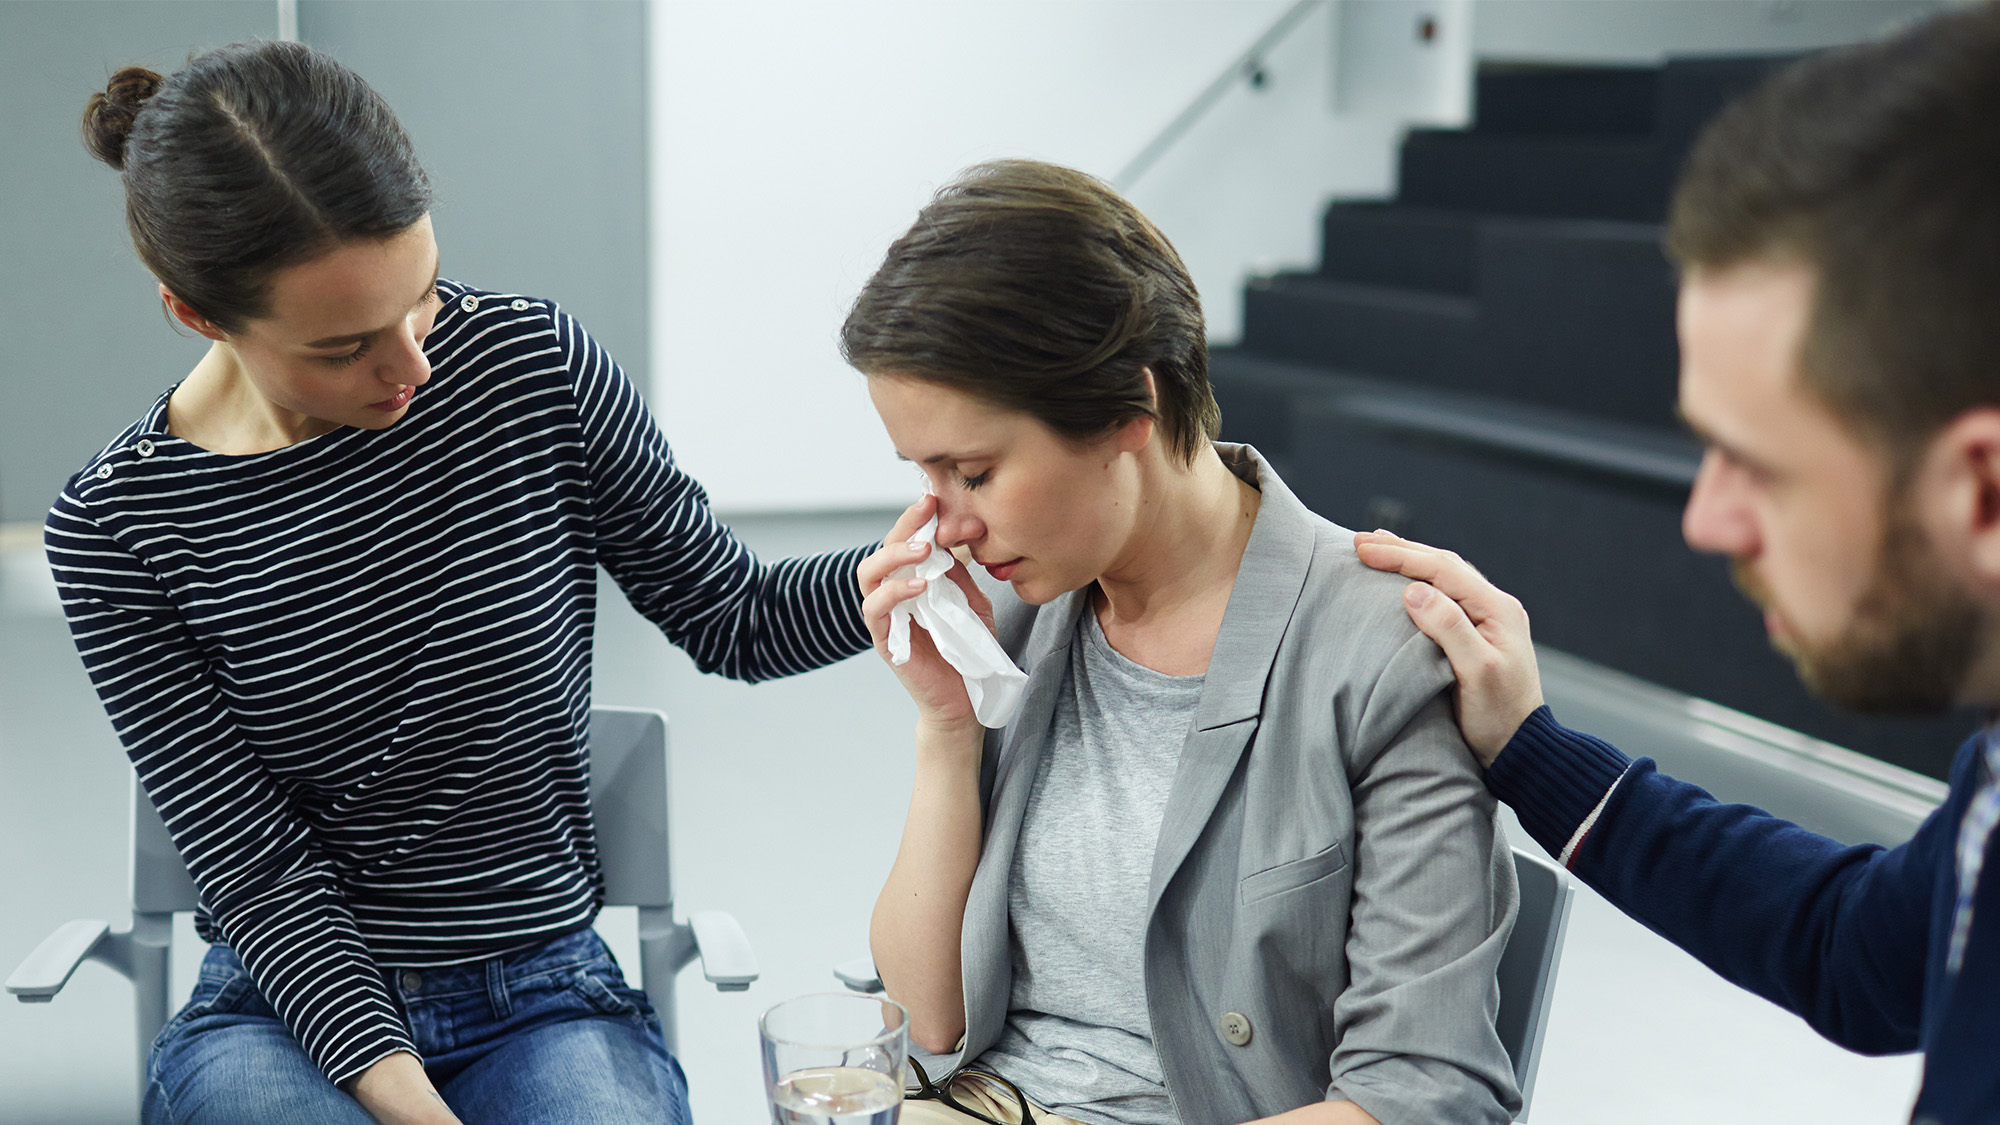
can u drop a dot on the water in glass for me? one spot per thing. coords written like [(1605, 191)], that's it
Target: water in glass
[(837, 1095)]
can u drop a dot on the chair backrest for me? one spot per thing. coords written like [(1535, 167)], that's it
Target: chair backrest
[(628, 798), (1528, 965), (160, 883)]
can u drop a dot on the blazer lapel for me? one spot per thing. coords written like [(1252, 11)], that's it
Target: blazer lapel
[(986, 963), (1268, 585)]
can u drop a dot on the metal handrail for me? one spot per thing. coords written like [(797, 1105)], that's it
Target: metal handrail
[(1247, 67)]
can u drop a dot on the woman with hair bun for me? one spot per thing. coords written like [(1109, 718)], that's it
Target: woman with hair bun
[(336, 590)]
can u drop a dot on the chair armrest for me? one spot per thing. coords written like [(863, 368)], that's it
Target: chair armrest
[(859, 974), (48, 968), (726, 957)]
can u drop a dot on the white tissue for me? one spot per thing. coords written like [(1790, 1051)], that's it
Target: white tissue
[(992, 681)]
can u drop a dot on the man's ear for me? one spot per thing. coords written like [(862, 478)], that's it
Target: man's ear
[(180, 310), (1962, 475)]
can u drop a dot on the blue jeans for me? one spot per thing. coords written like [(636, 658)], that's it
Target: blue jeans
[(548, 1035)]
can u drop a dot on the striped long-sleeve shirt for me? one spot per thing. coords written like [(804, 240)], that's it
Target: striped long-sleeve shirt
[(354, 673)]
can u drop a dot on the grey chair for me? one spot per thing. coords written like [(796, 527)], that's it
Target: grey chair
[(1527, 966), (628, 793)]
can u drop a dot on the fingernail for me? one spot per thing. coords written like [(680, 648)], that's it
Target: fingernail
[(1379, 531), (916, 583), (1418, 594), (914, 546)]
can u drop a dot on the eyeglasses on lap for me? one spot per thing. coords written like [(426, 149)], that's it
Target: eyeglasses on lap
[(941, 1092)]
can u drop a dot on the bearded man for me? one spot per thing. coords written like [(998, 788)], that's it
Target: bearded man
[(1838, 236)]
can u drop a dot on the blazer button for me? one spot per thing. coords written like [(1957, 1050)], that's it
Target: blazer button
[(469, 303), (145, 447), (1236, 1029)]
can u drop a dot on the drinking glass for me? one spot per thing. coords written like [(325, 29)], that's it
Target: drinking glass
[(835, 1058)]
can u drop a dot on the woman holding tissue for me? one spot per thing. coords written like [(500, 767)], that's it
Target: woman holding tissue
[(336, 589), (1227, 859)]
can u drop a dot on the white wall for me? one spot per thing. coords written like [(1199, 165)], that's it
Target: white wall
[(794, 140)]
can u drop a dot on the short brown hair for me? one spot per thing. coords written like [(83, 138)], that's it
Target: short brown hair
[(1039, 289), (1879, 166)]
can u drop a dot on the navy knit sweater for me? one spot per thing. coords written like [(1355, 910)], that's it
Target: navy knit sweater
[(354, 673), (1851, 938)]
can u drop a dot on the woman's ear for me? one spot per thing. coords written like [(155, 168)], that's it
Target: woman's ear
[(180, 310), (1133, 435)]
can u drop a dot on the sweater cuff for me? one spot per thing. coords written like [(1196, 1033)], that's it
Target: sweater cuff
[(1554, 778)]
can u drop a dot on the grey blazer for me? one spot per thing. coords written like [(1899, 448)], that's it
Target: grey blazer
[(1331, 891)]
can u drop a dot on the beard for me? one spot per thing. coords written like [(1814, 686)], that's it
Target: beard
[(1909, 644)]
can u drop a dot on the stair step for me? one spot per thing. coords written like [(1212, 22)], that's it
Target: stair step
[(1579, 315), (1392, 333), (1262, 398), (1576, 314), (1566, 177), (1544, 99), (1693, 90), (1371, 243)]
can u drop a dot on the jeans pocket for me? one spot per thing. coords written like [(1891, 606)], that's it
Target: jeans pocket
[(213, 995), (608, 993)]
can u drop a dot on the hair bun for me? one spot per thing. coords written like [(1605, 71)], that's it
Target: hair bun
[(107, 120)]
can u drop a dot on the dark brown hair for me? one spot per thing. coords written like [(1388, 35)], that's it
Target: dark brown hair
[(1039, 289), (1879, 166), (251, 158)]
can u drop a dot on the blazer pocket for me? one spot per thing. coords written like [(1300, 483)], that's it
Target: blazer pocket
[(1293, 874)]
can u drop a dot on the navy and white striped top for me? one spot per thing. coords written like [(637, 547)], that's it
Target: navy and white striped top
[(354, 673)]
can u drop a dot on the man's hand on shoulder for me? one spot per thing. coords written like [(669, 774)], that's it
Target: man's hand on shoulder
[(1482, 629)]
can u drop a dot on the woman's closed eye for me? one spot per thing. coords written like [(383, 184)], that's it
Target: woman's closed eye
[(972, 482), (348, 358)]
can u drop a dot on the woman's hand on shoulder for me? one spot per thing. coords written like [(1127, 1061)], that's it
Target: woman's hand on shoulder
[(937, 688), (1482, 629)]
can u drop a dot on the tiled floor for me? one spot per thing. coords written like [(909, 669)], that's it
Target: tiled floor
[(788, 799)]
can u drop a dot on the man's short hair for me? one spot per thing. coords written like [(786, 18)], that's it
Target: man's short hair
[(1877, 165)]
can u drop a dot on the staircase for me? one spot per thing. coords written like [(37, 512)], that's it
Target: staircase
[(1487, 363)]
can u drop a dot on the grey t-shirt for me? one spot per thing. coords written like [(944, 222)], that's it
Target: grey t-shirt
[(1078, 1040)]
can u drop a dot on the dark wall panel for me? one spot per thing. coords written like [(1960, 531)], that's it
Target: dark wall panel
[(530, 117), (529, 114), (84, 348)]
